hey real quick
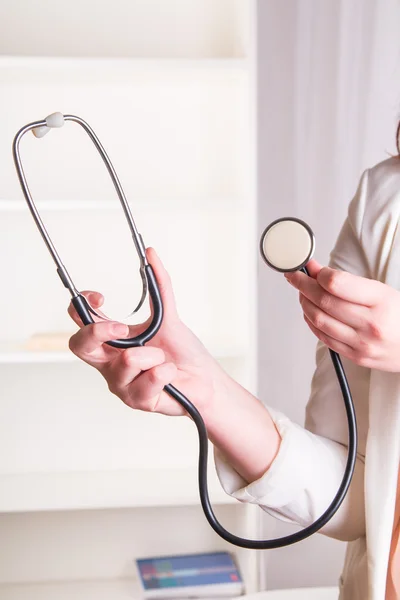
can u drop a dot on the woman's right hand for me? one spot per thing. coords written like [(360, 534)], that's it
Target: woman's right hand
[(138, 375)]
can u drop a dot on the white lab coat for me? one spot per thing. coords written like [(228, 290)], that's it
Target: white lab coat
[(309, 466)]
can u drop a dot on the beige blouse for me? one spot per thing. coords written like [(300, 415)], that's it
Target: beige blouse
[(393, 580), (308, 469)]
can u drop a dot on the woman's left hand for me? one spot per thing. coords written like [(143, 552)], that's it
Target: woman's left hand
[(357, 317)]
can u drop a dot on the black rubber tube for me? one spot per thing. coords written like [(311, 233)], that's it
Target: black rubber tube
[(82, 308), (298, 536)]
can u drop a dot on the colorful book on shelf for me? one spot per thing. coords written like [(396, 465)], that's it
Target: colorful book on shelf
[(213, 574)]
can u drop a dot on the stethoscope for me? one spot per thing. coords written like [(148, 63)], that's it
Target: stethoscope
[(286, 245)]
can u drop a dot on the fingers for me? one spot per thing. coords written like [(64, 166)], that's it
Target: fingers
[(329, 326), (128, 365), (95, 300), (335, 345), (136, 375), (146, 391), (88, 342), (164, 284), (349, 313), (352, 288)]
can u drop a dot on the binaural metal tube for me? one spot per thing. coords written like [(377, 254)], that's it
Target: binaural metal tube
[(40, 128), (61, 270)]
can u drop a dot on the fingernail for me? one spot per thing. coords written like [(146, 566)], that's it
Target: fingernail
[(120, 329), (92, 297)]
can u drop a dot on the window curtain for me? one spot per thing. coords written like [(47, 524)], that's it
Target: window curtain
[(328, 94)]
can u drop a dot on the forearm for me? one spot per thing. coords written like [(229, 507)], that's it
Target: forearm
[(296, 473), (241, 428)]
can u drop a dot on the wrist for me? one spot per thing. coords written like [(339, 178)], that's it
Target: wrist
[(241, 428)]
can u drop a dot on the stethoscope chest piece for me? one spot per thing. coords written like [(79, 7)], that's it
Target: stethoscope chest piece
[(287, 244)]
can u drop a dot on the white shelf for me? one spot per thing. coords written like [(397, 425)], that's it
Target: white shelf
[(45, 358), (161, 115), (11, 354), (105, 489), (30, 357), (114, 70), (141, 28), (59, 205), (160, 205), (123, 589), (169, 89)]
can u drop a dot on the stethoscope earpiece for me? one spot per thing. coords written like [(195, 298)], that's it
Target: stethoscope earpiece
[(287, 244)]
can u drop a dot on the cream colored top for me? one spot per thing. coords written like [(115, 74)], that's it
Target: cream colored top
[(308, 469), (393, 580)]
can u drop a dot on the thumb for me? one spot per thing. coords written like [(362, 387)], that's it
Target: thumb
[(164, 284)]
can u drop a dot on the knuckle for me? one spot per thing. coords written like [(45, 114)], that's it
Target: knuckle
[(74, 343), (375, 330), (99, 331), (323, 338), (319, 320), (365, 349), (94, 330), (331, 279), (364, 352), (154, 376), (325, 302), (111, 380), (360, 359), (128, 359)]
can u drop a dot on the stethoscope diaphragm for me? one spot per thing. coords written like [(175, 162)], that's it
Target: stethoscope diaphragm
[(287, 244)]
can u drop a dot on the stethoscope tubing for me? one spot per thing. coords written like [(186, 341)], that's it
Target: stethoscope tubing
[(334, 506), (188, 406), (192, 411), (86, 314), (298, 536)]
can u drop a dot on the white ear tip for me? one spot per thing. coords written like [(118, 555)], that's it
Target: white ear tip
[(55, 120), (40, 132)]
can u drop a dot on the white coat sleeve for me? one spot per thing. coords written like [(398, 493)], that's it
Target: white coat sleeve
[(309, 466)]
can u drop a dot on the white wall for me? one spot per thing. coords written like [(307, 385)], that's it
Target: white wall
[(166, 84), (328, 102)]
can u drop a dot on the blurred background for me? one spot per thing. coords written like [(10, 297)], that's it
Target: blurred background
[(219, 116)]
